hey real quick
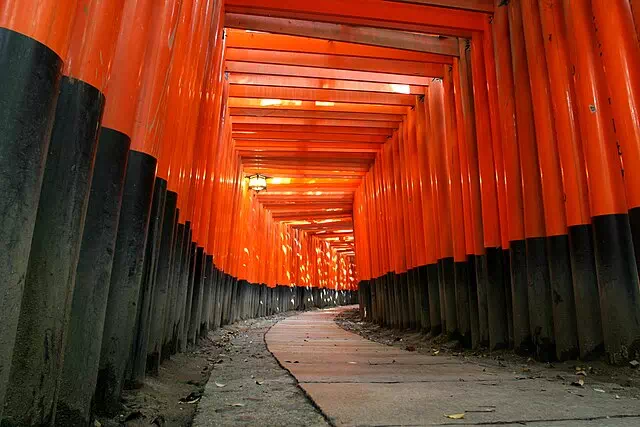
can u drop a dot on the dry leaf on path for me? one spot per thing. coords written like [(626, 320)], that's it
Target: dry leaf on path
[(455, 416)]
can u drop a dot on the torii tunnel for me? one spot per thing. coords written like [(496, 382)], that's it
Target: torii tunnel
[(464, 167)]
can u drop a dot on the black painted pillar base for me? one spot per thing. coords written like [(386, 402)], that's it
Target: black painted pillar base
[(410, 307), (463, 309), (186, 271), (207, 296), (195, 305), (188, 297), (168, 343), (138, 360), (634, 223), (449, 282), (482, 284), (496, 300), (434, 299), (161, 290), (506, 275), (93, 277), (520, 297), (374, 314), (404, 300), (619, 287), (585, 289), (443, 299), (126, 279), (423, 284), (30, 76), (540, 306), (200, 302), (474, 317), (417, 298), (564, 306), (51, 272)]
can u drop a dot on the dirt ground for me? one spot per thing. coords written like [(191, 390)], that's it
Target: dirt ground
[(621, 381), (247, 386)]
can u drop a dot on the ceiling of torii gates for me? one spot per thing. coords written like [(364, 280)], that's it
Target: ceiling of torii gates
[(317, 87)]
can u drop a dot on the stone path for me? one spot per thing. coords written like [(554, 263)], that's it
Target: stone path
[(358, 382)]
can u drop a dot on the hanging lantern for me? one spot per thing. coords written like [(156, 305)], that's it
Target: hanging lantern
[(258, 182)]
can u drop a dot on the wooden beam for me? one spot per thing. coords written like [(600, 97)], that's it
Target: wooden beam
[(305, 173), (345, 33), (292, 104), (308, 136), (373, 11), (353, 63), (274, 120), (240, 127), (328, 158), (473, 5), (324, 73), (320, 95), (338, 118), (316, 83), (286, 43), (306, 146)]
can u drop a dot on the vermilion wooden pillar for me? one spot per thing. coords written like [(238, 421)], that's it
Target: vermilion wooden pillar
[(437, 147), (574, 177), (454, 181), (490, 267), (517, 285), (619, 50), (126, 279), (613, 246), (557, 240), (467, 212), (39, 35), (540, 309)]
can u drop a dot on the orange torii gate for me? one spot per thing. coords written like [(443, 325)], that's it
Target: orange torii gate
[(467, 167)]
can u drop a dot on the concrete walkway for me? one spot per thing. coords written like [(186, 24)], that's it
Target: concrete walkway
[(358, 382)]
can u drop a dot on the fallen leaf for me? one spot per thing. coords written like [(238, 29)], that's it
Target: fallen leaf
[(220, 385), (435, 353), (599, 390), (578, 383), (259, 382), (352, 363), (455, 416), (191, 402), (634, 364), (237, 405)]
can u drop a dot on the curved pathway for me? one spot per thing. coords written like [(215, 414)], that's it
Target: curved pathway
[(359, 382)]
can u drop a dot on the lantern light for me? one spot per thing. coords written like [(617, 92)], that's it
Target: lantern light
[(258, 182)]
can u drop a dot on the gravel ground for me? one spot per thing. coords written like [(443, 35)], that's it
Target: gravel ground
[(249, 388)]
